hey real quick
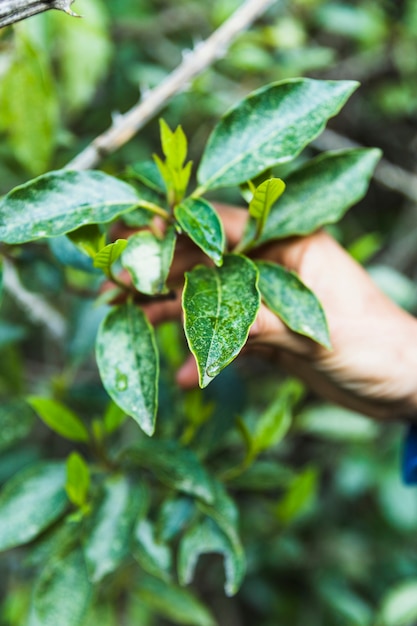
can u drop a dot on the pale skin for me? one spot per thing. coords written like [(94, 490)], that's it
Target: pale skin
[(372, 367)]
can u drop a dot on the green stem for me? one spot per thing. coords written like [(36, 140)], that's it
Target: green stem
[(199, 191), (154, 208)]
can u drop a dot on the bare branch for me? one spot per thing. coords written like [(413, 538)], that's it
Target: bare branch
[(15, 10), (194, 62)]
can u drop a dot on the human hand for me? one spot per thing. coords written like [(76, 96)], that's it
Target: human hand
[(373, 362)]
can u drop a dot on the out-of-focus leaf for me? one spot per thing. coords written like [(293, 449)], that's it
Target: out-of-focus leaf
[(327, 185), (128, 362), (16, 421), (152, 555), (205, 537), (224, 512), (336, 423), (398, 502), (177, 467), (264, 476), (220, 305), (148, 173), (60, 202), (174, 603), (397, 286), (113, 418), (108, 540), (68, 254), (299, 497), (289, 298), (174, 515), (399, 607), (62, 593), (200, 221), (148, 260), (30, 502), (270, 126), (78, 479), (108, 255), (59, 418)]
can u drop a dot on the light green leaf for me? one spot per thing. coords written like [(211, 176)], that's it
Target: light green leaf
[(174, 603), (264, 197), (319, 193), (88, 238), (59, 418), (148, 260), (113, 418), (289, 298), (336, 424), (399, 607), (272, 125), (203, 538), (299, 497), (200, 221), (60, 202), (62, 594), (152, 555), (127, 359), (108, 539), (108, 255), (78, 479), (174, 145), (173, 465), (220, 305), (30, 502)]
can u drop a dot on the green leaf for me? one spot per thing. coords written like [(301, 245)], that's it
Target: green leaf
[(319, 193), (200, 221), (266, 194), (62, 594), (108, 539), (147, 172), (174, 145), (174, 603), (174, 515), (127, 359), (16, 421), (148, 260), (88, 238), (152, 555), (399, 607), (78, 479), (203, 538), (62, 201), (289, 298), (59, 418), (336, 423), (177, 467), (108, 255), (299, 497), (113, 418), (272, 125), (30, 502), (220, 305)]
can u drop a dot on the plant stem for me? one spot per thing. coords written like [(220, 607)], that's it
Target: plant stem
[(193, 64), (15, 10), (154, 208)]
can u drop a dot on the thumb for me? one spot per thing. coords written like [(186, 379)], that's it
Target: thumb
[(268, 329)]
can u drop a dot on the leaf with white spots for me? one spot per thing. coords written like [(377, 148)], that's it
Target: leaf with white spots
[(289, 298), (128, 362), (154, 556), (200, 221)]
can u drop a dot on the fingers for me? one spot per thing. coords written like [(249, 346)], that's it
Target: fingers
[(164, 311), (187, 375)]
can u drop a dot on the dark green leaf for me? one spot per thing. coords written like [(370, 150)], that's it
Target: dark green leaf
[(128, 362), (289, 298), (177, 467), (30, 502), (108, 539), (272, 125), (264, 476), (220, 305), (200, 221), (203, 538), (89, 239), (78, 479), (16, 421), (224, 512), (59, 418), (108, 255), (174, 603), (62, 201), (152, 555), (319, 193), (174, 515), (148, 260), (62, 593)]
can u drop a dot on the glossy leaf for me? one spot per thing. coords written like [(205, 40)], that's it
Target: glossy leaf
[(272, 125), (152, 555), (62, 594), (265, 196), (399, 607), (289, 298), (30, 502), (59, 418), (203, 538), (319, 193), (108, 539), (176, 604), (175, 466), (220, 305), (127, 359), (60, 202), (199, 220), (108, 255), (148, 260), (78, 479)]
